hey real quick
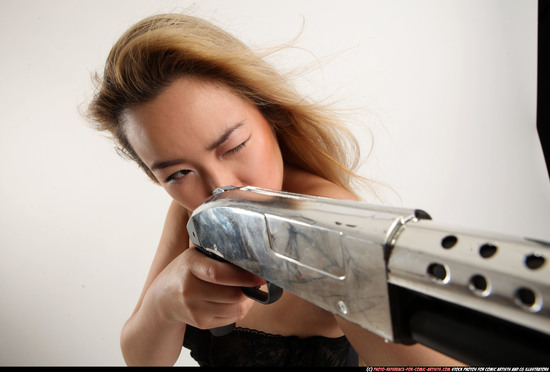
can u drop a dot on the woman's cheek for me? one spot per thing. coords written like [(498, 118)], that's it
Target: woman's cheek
[(269, 168), (187, 199)]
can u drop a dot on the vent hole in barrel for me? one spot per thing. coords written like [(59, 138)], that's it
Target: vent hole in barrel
[(479, 285), (534, 261), (449, 241), (487, 250), (527, 299), (438, 273)]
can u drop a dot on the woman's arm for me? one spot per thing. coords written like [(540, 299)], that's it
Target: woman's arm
[(375, 351), (146, 338), (183, 287)]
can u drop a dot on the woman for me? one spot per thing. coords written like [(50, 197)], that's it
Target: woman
[(197, 110)]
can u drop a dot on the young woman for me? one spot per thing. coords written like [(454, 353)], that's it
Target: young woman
[(197, 110)]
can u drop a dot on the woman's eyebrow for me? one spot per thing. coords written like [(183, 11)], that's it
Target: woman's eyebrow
[(168, 163), (224, 136)]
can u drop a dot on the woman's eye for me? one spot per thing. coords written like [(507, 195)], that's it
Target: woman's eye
[(238, 148), (178, 175)]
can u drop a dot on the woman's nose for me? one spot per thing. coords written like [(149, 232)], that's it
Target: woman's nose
[(222, 177)]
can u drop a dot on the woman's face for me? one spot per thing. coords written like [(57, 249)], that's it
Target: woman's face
[(197, 136)]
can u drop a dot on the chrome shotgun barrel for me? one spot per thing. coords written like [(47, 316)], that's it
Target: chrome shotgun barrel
[(481, 298)]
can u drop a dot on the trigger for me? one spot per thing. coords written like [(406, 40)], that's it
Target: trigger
[(273, 293)]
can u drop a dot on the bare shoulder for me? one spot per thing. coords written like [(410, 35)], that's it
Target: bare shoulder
[(302, 182)]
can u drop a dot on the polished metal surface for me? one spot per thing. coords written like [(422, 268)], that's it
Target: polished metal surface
[(504, 276), (329, 252), (341, 255)]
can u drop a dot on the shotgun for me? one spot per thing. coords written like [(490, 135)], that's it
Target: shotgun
[(481, 298)]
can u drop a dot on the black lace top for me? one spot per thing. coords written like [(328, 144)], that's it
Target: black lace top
[(246, 347)]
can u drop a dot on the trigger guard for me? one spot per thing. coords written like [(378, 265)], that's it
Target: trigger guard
[(273, 293)]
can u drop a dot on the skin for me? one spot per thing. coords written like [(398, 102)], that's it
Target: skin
[(195, 137)]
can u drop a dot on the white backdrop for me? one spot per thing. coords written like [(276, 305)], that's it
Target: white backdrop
[(449, 88)]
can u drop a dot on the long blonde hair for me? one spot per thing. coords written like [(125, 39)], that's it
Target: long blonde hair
[(159, 49)]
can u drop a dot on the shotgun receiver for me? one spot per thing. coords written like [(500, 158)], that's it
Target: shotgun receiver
[(479, 297)]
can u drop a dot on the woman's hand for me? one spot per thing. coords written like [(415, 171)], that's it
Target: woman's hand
[(198, 290), (183, 287)]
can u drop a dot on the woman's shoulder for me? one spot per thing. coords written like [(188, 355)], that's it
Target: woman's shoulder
[(303, 182)]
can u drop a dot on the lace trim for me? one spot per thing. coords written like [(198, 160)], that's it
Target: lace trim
[(268, 349), (277, 336)]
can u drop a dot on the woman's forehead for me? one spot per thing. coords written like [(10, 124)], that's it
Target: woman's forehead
[(186, 110), (184, 100)]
